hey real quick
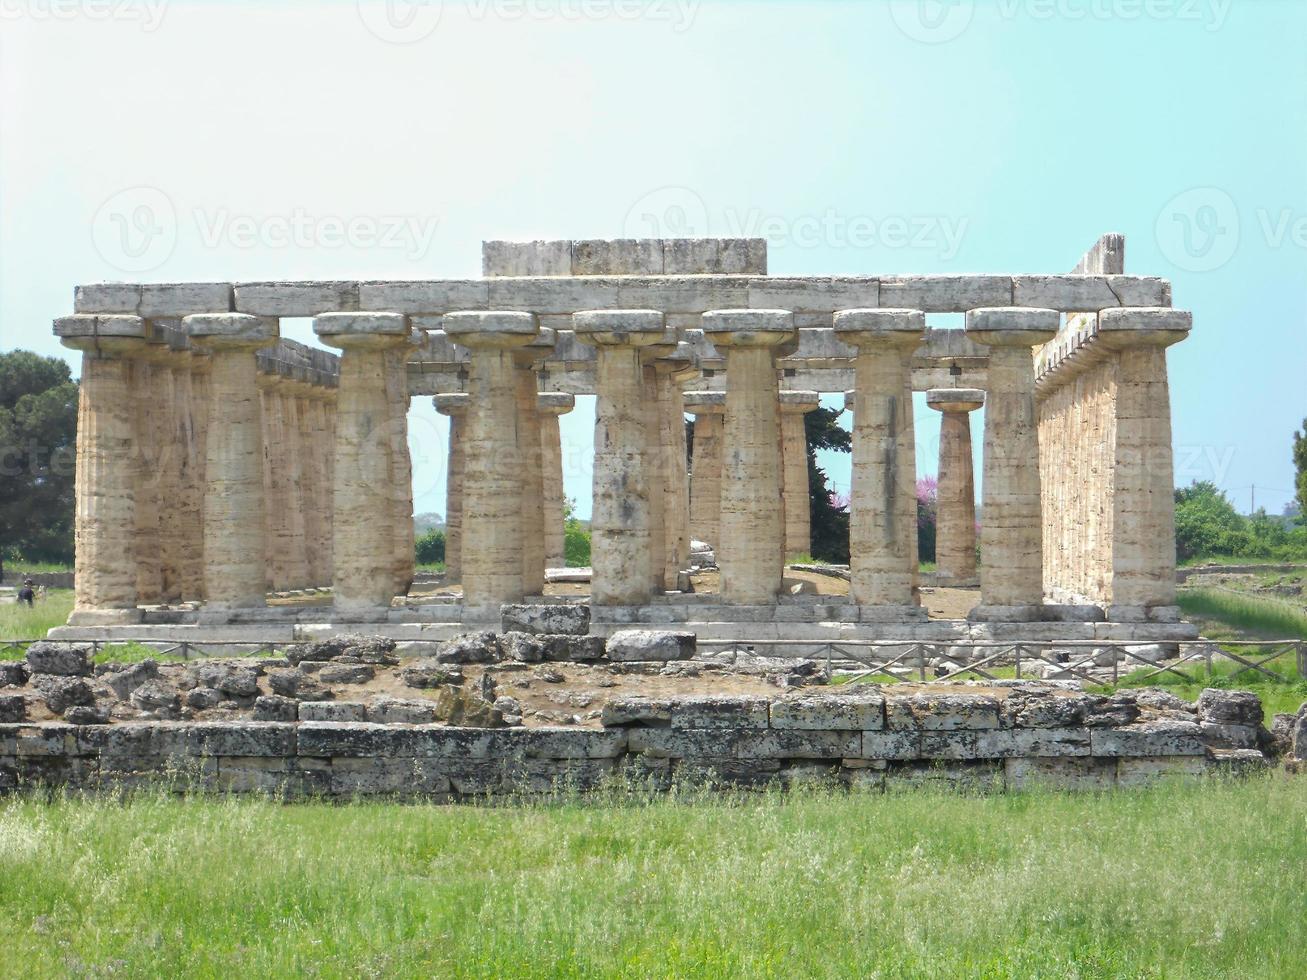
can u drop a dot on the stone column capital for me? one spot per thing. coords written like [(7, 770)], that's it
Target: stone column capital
[(537, 349), (490, 329), (955, 399), (749, 328), (1012, 326), (1126, 327), (621, 328), (555, 402), (103, 336), (705, 402), (799, 402), (362, 331), (454, 404), (231, 331), (677, 362), (881, 328)]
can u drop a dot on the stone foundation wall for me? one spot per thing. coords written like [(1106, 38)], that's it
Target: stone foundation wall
[(871, 737)]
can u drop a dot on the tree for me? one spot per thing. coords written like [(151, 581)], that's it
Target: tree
[(829, 516), (38, 442), (430, 548), (1300, 468), (576, 537), (1206, 523), (927, 517)]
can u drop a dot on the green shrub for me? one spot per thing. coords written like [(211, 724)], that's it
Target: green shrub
[(431, 548)]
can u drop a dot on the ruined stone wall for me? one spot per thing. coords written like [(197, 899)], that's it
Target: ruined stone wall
[(1077, 447), (870, 738)]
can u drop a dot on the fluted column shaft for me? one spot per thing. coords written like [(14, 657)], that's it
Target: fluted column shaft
[(552, 405), (493, 476), (621, 523), (363, 546), (401, 467), (752, 514), (527, 429), (709, 410), (955, 524), (107, 460), (795, 405), (1011, 534), (883, 518), (455, 406), (234, 502)]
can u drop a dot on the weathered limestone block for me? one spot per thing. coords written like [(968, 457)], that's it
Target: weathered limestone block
[(955, 536), (882, 522), (1148, 738), (108, 456), (553, 617), (1045, 710), (644, 644), (1061, 772), (798, 744), (854, 712), (622, 522), (363, 507), (941, 712), (1228, 707), (1011, 582), (400, 711), (666, 743), (538, 258), (891, 745), (1032, 742), (750, 553), (637, 711), (13, 708), (552, 405), (65, 659), (331, 711), (1131, 772), (14, 673), (572, 743), (709, 410), (738, 711), (493, 532)]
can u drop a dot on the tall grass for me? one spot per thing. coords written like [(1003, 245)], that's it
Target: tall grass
[(1180, 880), (1251, 614), (18, 622)]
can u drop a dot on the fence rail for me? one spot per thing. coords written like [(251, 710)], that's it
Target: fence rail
[(915, 656), (885, 656)]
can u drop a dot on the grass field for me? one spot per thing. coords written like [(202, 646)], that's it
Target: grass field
[(1247, 615), (1201, 880), (18, 622)]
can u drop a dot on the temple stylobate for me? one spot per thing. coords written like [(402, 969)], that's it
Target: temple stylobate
[(219, 464)]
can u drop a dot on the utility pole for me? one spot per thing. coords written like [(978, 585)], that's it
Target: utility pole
[(1252, 500)]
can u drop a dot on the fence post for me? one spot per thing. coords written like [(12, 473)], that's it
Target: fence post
[(1016, 650), (1207, 659), (921, 661)]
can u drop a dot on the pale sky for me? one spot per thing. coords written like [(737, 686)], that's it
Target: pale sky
[(169, 140)]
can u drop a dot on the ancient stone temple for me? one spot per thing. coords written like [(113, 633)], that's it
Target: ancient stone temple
[(218, 464)]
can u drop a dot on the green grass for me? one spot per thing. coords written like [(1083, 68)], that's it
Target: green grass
[(14, 571), (1248, 614), (1197, 880), (18, 622)]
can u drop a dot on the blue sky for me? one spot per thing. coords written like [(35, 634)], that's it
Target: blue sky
[(338, 140)]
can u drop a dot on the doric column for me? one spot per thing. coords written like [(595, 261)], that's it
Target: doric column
[(455, 405), (107, 459), (526, 360), (401, 463), (794, 464), (234, 574), (175, 382), (670, 367), (275, 541), (327, 496), (620, 530), (150, 402), (752, 517), (1143, 499), (883, 513), (287, 392), (955, 523), (553, 404), (363, 547), (310, 463), (195, 481), (492, 478), (1011, 533), (709, 411)]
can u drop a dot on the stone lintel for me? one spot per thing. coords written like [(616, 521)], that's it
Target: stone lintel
[(705, 402), (555, 402), (231, 330), (103, 334), (799, 402), (452, 403)]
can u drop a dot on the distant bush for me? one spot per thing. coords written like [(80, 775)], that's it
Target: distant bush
[(1207, 525), (576, 537), (430, 548)]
